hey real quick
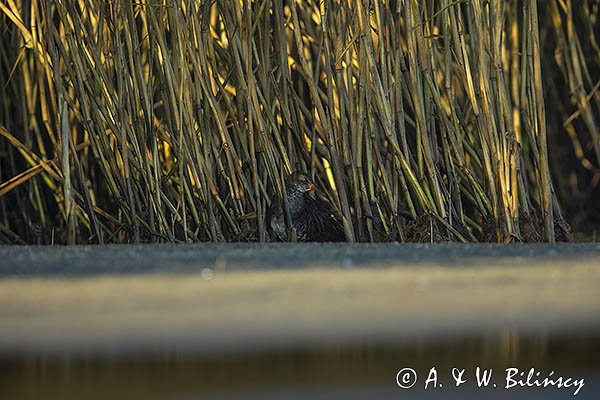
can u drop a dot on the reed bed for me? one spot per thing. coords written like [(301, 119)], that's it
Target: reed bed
[(178, 120)]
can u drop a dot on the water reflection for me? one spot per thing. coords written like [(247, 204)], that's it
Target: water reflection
[(358, 371)]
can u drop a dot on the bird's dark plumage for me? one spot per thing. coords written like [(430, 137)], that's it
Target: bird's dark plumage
[(310, 216)]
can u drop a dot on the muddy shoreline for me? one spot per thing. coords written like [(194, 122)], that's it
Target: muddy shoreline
[(48, 261)]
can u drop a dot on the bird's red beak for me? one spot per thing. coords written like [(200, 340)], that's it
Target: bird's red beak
[(312, 187)]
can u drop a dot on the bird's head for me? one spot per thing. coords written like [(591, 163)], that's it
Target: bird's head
[(299, 183)]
